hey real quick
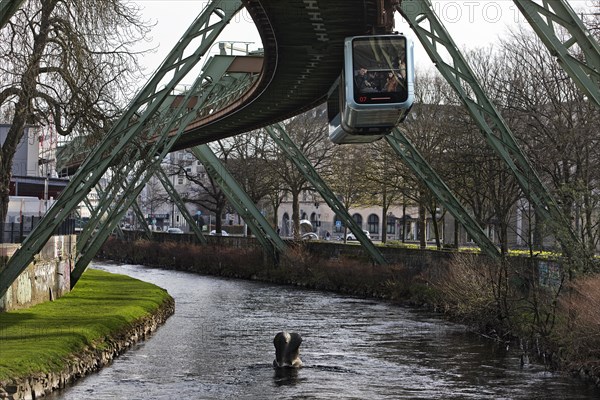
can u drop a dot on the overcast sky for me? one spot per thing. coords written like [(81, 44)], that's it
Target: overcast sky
[(470, 23)]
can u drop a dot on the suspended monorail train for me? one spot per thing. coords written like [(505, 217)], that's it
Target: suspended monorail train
[(375, 90)]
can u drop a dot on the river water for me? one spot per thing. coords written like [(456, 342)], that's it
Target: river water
[(219, 345)]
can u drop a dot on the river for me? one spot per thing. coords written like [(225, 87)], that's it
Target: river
[(219, 345)]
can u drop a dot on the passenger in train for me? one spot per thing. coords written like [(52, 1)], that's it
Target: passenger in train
[(362, 81), (391, 84)]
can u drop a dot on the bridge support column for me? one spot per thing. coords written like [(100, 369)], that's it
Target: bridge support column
[(278, 134), (544, 19), (264, 232), (411, 156), (435, 39), (126, 142), (166, 182)]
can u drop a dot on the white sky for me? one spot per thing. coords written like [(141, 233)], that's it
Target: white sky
[(470, 23)]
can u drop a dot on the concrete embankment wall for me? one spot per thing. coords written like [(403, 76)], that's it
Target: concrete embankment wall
[(46, 278)]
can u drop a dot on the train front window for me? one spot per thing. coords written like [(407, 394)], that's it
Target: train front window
[(379, 69)]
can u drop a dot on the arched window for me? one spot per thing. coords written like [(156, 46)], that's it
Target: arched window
[(358, 219), (391, 225), (314, 221), (373, 222)]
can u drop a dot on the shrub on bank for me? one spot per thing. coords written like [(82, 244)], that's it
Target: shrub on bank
[(578, 328), (557, 323), (297, 266)]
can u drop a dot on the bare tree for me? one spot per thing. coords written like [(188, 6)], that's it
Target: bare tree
[(558, 125), (248, 162), (346, 176), (433, 127), (202, 190), (384, 179), (309, 132), (68, 64)]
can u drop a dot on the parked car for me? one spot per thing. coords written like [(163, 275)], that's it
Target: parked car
[(350, 235), (174, 230), (223, 233)]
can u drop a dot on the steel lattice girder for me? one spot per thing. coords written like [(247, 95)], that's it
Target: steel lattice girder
[(131, 126), (544, 18), (166, 182), (430, 31), (263, 231), (411, 156), (137, 173), (278, 134), (7, 9)]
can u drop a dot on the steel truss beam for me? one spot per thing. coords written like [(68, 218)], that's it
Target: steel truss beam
[(127, 142), (432, 34), (166, 182), (128, 180), (140, 217), (134, 176), (260, 227), (411, 156), (7, 9), (544, 18), (278, 134), (105, 219)]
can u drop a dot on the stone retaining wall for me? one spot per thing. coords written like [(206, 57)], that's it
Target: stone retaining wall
[(89, 360), (46, 278)]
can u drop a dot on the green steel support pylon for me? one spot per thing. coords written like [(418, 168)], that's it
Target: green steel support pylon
[(411, 156), (545, 18), (122, 177), (134, 129), (140, 217), (212, 83), (135, 175), (7, 9), (166, 182), (278, 134), (260, 227), (432, 34)]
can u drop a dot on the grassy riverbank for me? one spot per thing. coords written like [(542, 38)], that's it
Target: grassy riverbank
[(44, 338)]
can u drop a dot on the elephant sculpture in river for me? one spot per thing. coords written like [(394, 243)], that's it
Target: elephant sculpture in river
[(287, 350)]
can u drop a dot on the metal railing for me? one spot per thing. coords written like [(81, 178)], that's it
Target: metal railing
[(16, 232)]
